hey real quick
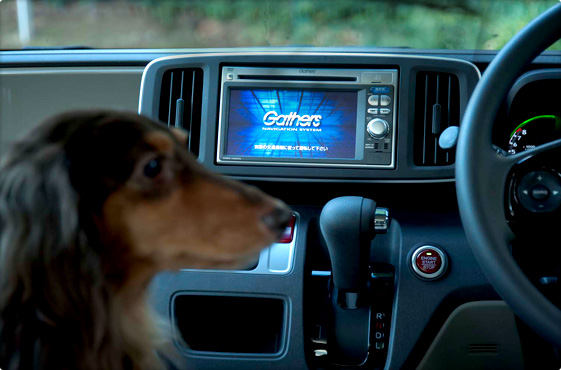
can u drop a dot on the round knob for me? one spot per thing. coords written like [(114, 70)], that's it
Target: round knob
[(378, 128), (449, 137)]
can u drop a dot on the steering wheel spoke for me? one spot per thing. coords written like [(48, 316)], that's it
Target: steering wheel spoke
[(534, 186)]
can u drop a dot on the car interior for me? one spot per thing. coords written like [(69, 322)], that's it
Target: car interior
[(425, 187)]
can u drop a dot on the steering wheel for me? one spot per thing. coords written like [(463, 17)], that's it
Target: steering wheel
[(483, 173)]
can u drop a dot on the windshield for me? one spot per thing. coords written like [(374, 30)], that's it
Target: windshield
[(425, 24)]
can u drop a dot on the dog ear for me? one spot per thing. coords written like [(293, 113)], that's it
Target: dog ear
[(48, 267)]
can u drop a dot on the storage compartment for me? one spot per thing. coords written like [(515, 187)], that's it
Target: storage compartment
[(231, 324)]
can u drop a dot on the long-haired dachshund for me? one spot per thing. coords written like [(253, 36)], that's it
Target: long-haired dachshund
[(92, 205)]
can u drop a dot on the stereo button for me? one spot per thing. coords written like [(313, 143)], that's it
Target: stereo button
[(377, 77), (385, 111), (373, 99), (385, 100), (540, 192), (372, 111), (380, 90)]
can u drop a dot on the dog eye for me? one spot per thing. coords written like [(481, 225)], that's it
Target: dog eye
[(153, 168)]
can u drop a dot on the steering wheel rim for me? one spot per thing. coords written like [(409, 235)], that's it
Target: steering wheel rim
[(481, 175)]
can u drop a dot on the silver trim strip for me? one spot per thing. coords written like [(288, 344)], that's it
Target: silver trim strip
[(308, 164), (342, 181), (381, 220)]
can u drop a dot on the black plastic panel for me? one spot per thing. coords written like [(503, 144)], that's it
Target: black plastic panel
[(231, 324)]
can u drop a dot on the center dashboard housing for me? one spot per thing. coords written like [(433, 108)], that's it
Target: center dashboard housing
[(223, 73)]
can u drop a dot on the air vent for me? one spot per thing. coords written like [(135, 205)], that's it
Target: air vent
[(437, 106), (480, 349), (181, 102)]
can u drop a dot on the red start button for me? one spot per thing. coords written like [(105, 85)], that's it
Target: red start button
[(429, 262), (288, 232)]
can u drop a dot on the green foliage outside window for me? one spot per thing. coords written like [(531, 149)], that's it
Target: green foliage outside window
[(426, 24)]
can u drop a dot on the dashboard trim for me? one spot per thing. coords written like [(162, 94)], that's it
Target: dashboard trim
[(529, 77)]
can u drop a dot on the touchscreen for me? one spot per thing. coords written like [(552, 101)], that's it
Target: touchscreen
[(306, 123)]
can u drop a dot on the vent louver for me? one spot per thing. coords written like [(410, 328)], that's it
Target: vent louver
[(181, 102), (437, 107)]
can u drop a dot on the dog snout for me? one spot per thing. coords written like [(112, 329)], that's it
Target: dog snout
[(278, 218)]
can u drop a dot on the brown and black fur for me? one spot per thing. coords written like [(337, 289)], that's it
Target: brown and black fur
[(92, 205)]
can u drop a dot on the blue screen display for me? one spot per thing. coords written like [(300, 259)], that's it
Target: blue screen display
[(275, 123)]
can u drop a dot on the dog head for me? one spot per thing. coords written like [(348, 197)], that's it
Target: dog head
[(93, 201), (144, 192)]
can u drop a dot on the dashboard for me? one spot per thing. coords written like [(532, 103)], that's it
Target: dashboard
[(308, 125)]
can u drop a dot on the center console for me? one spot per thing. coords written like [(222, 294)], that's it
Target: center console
[(299, 125)]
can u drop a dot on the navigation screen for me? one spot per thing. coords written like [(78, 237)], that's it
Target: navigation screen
[(275, 123)]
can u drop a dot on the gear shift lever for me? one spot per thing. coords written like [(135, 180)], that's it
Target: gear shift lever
[(347, 225)]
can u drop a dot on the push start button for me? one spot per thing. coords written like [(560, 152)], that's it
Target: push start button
[(429, 262)]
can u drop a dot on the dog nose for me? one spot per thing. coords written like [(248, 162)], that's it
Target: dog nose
[(278, 219)]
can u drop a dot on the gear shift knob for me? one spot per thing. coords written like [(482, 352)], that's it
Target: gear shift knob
[(347, 225)]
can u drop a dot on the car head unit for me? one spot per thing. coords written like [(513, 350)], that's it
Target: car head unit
[(307, 117)]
